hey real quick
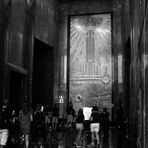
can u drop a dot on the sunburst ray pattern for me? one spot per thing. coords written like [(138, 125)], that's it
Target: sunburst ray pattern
[(90, 58)]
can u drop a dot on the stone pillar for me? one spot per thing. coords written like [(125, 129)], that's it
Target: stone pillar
[(116, 51), (4, 30), (63, 55), (145, 102), (29, 43)]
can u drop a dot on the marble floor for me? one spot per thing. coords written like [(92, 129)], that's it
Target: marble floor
[(66, 139)]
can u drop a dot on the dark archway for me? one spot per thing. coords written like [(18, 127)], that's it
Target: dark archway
[(17, 90), (43, 74)]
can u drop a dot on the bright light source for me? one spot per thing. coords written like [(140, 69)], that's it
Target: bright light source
[(78, 27), (61, 100), (102, 30)]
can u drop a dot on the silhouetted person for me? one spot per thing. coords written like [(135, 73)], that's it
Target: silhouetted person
[(39, 131), (106, 142), (14, 127), (70, 113), (55, 116), (48, 120), (79, 125), (105, 122), (95, 125), (25, 118), (4, 124)]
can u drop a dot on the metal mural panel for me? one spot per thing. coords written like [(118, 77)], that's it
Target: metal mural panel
[(90, 61)]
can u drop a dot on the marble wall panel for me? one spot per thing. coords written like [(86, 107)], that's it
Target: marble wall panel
[(146, 77), (29, 44), (4, 24), (45, 21), (15, 50), (138, 72), (85, 7), (46, 26)]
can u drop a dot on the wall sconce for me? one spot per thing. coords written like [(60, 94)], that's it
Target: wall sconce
[(61, 99)]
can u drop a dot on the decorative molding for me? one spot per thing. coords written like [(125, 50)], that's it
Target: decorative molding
[(17, 68)]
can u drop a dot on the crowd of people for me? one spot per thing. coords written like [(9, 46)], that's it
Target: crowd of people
[(35, 124), (98, 121)]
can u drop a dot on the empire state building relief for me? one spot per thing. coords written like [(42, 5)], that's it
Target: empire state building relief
[(90, 56)]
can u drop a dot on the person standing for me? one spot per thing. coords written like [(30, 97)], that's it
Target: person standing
[(79, 125), (55, 115), (95, 125), (25, 118), (105, 124), (4, 125), (39, 126), (70, 114), (70, 110)]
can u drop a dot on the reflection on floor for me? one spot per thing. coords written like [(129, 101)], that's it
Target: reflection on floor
[(66, 139)]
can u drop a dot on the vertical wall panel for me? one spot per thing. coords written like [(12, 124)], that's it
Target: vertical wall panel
[(16, 36), (4, 27)]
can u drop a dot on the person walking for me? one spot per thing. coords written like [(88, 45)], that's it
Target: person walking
[(79, 125), (4, 125), (95, 125), (55, 116), (105, 124), (25, 118), (39, 126)]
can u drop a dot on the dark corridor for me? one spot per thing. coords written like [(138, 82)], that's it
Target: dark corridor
[(17, 94), (43, 73)]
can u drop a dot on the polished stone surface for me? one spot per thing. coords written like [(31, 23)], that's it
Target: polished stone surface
[(66, 139)]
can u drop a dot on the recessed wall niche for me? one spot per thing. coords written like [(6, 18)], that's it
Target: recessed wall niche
[(90, 67)]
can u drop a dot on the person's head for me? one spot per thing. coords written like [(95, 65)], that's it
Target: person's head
[(38, 107), (95, 108), (4, 105), (80, 112), (25, 108), (70, 104), (49, 114), (55, 105), (104, 109), (3, 108)]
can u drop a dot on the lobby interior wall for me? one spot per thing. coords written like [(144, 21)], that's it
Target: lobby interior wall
[(138, 73), (46, 31), (146, 75), (91, 7), (4, 23), (20, 23)]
